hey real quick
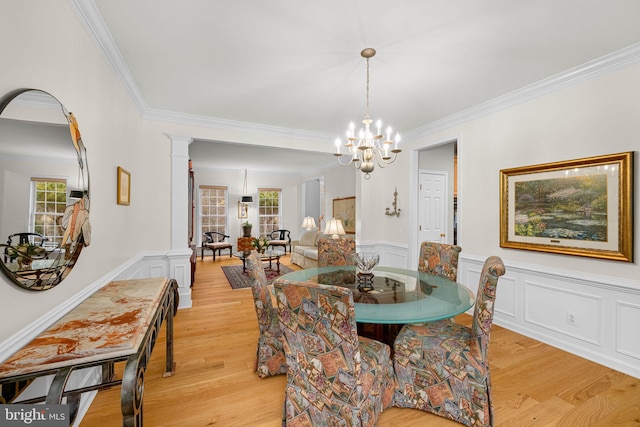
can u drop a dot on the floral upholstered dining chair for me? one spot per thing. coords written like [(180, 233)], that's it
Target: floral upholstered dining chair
[(442, 367), (334, 377), (440, 259), (270, 355), (336, 252)]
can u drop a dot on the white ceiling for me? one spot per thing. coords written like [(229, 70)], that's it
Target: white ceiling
[(295, 66)]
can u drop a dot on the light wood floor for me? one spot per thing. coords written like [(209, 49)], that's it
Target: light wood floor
[(215, 343)]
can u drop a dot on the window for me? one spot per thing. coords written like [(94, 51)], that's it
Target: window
[(269, 210), (49, 204), (213, 209)]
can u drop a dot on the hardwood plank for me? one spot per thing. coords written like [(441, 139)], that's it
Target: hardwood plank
[(215, 344)]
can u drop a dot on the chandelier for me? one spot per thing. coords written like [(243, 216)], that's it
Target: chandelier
[(365, 148)]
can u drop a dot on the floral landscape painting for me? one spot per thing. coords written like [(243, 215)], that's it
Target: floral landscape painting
[(564, 208), (576, 207)]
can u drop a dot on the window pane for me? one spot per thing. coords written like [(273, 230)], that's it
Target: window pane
[(49, 204), (213, 211), (269, 211)]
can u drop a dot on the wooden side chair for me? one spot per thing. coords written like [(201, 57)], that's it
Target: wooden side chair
[(270, 355), (440, 259), (334, 377), (442, 367), (280, 238), (336, 252), (216, 242)]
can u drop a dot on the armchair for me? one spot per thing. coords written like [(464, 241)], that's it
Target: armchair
[(280, 238), (442, 367), (216, 242), (334, 377)]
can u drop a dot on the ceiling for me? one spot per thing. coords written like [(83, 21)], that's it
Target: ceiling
[(294, 67)]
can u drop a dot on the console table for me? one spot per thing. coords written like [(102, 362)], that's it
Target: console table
[(119, 322)]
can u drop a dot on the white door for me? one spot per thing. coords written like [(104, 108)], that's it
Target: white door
[(432, 215)]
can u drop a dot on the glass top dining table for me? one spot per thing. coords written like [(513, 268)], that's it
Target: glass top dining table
[(393, 295)]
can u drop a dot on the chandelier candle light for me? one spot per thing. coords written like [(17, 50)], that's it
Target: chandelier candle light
[(367, 147)]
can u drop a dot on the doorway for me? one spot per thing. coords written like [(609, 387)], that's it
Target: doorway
[(437, 189)]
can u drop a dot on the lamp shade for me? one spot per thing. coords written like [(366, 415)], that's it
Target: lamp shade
[(334, 228), (247, 199), (308, 223)]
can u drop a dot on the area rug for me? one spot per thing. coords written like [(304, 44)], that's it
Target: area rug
[(239, 279)]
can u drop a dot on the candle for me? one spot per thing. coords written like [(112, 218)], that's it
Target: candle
[(338, 143)]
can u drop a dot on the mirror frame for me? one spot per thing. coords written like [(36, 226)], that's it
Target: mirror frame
[(40, 279)]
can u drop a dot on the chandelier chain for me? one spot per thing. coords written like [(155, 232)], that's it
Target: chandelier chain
[(367, 87)]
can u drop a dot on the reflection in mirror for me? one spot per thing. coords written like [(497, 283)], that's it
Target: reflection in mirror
[(44, 188)]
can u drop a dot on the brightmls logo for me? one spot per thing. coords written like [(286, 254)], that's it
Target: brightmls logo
[(34, 415)]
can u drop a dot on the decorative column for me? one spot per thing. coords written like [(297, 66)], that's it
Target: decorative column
[(180, 253)]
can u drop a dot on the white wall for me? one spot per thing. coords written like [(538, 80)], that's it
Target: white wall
[(340, 182), (49, 50)]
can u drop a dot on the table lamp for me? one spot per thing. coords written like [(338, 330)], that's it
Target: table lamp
[(308, 223), (334, 227)]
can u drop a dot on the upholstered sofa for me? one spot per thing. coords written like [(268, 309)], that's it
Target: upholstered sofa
[(305, 251)]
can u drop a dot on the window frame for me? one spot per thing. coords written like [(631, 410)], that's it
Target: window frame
[(60, 206), (262, 226), (201, 216)]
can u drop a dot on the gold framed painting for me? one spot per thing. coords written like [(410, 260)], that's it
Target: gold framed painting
[(578, 207), (345, 210), (124, 187)]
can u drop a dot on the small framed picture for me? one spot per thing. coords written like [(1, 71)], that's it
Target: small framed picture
[(345, 210), (243, 210), (124, 187)]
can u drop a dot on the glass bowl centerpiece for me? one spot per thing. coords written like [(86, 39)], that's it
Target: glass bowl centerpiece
[(365, 263)]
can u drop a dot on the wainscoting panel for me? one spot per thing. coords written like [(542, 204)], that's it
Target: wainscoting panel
[(391, 254), (574, 314), (595, 317), (628, 321)]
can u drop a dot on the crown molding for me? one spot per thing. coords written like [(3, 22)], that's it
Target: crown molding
[(232, 125), (90, 18), (590, 70)]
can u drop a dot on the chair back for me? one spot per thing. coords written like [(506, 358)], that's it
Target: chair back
[(336, 252), (280, 235), (440, 259), (320, 339), (483, 312), (214, 237), (24, 238), (265, 311)]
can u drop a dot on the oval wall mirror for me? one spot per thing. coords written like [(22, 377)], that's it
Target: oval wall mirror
[(44, 189)]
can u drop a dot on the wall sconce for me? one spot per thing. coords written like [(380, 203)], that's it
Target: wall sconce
[(396, 211)]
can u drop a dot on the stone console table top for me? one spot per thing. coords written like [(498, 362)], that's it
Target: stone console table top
[(118, 323), (111, 323)]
